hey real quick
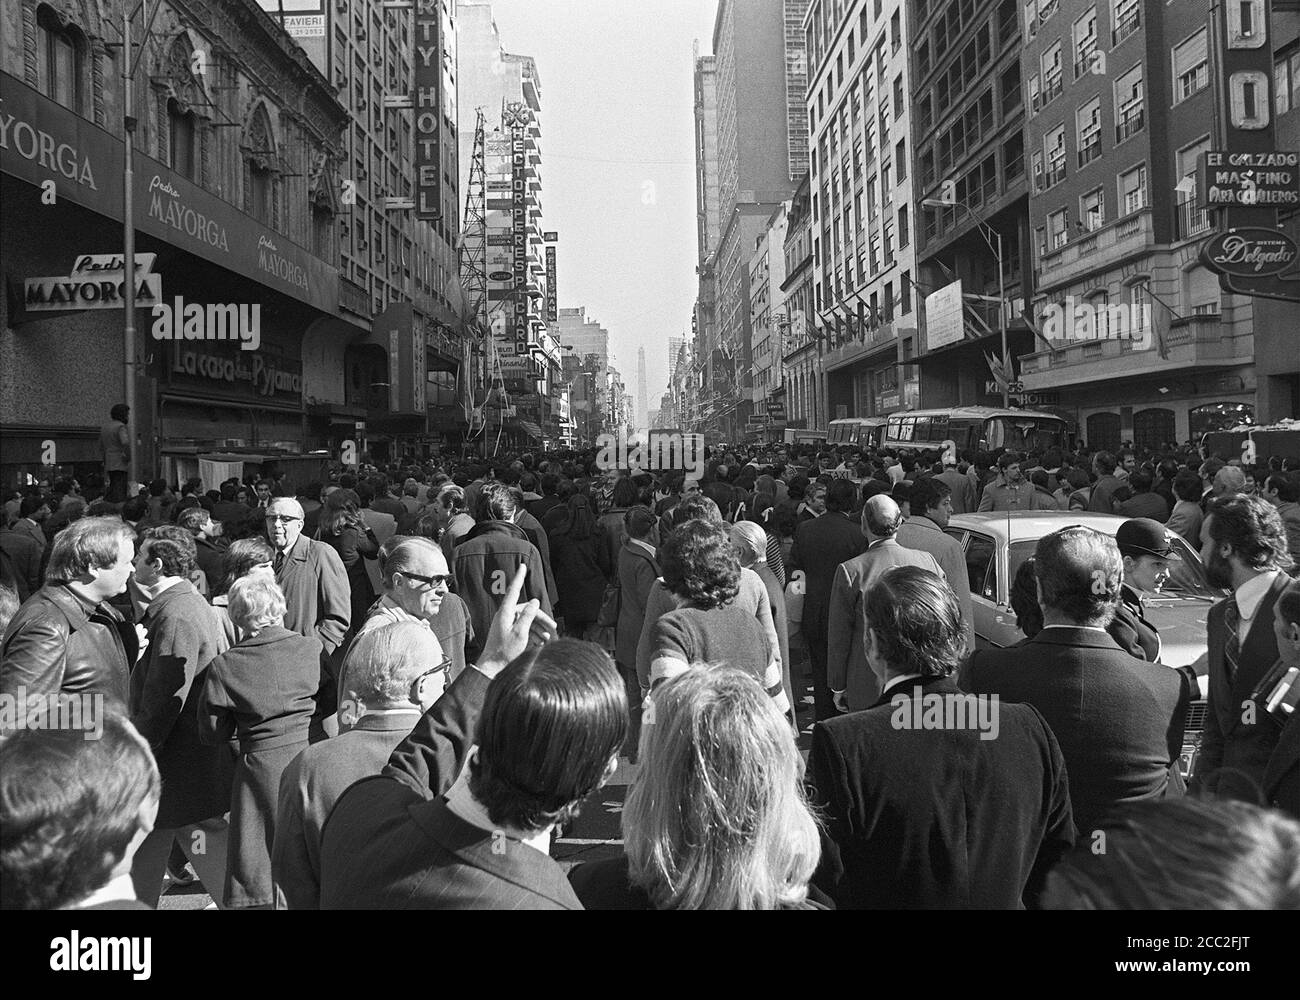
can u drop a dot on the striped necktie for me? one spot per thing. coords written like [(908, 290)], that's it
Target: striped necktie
[(1231, 648)]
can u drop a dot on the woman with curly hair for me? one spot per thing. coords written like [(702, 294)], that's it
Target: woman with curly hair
[(716, 818), (701, 572)]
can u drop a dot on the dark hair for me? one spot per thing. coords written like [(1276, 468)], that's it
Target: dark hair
[(1187, 485), (341, 510), (157, 487), (31, 504), (1080, 572), (1105, 461), (243, 555), (1288, 490), (1182, 854), (1008, 459), (699, 564), (120, 412), (928, 493), (625, 492), (1253, 528), (578, 521), (173, 547), (917, 622), (1024, 600), (697, 507), (192, 519), (841, 495), (551, 723), (639, 521), (497, 502), (69, 809), (1141, 481)]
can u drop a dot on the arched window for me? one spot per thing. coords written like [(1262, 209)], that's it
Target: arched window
[(260, 167), (183, 143), (60, 59), (1153, 429), (1103, 432)]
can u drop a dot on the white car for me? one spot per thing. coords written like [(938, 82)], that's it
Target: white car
[(997, 543)]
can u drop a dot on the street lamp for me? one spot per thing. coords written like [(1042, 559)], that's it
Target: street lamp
[(995, 245)]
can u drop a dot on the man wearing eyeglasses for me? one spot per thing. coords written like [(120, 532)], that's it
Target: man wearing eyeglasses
[(318, 599)]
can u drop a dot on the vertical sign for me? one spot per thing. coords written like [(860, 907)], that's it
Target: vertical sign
[(516, 116), (552, 295), (419, 368), (428, 109), (394, 370)]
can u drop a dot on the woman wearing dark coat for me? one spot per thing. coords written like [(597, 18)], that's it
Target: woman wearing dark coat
[(610, 530), (637, 571), (343, 530), (263, 692), (576, 563)]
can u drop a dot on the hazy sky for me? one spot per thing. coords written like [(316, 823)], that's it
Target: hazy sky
[(618, 161)]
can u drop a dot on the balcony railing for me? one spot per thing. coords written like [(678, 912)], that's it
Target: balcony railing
[(1192, 221), (1130, 125), (1051, 176), (1090, 150), (1129, 24), (1052, 88), (1091, 250), (1082, 64)]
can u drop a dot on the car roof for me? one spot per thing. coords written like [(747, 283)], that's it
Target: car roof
[(1031, 525)]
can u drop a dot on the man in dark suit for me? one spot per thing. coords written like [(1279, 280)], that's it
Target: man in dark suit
[(1243, 548), (820, 545), (935, 798), (1119, 720), (1282, 688), (1102, 498), (853, 684), (1147, 551), (549, 733)]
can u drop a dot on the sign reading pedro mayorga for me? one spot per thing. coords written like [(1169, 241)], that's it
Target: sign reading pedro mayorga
[(41, 141)]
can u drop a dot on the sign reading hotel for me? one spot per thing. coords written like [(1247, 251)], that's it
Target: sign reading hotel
[(1264, 180), (515, 118), (97, 281), (428, 109)]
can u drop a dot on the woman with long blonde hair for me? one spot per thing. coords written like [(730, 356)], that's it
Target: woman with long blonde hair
[(717, 819)]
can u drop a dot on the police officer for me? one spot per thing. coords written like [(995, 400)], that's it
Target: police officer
[(1147, 548)]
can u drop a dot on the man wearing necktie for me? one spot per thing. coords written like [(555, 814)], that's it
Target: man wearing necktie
[(1243, 549), (317, 596)]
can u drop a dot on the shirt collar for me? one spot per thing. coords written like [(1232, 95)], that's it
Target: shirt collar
[(645, 545), (1251, 593), (1087, 628), (460, 800), (893, 682)]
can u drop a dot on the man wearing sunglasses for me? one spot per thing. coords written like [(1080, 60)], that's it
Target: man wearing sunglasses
[(317, 596)]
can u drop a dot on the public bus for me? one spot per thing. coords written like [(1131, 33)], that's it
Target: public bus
[(856, 432), (977, 428)]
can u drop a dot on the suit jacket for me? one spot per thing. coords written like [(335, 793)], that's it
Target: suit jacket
[(317, 594), (185, 635), (938, 818), (1282, 772), (1186, 520), (637, 572), (537, 535), (964, 500), (485, 563), (385, 847), (27, 559), (919, 532), (1131, 630), (1235, 752), (1103, 492), (309, 787), (820, 545), (29, 528), (1119, 720), (846, 659), (431, 756)]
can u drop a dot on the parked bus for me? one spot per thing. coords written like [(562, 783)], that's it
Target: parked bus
[(977, 428), (856, 432)]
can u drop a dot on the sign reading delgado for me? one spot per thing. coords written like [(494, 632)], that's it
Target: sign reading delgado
[(40, 140)]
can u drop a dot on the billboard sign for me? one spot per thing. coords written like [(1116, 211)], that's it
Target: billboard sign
[(944, 321), (428, 110)]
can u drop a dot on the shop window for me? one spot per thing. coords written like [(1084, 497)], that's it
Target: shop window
[(1153, 429), (60, 59), (1209, 417), (1103, 432)]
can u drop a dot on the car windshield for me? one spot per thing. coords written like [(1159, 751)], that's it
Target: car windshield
[(1186, 578)]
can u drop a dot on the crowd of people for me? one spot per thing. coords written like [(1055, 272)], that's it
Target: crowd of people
[(391, 688)]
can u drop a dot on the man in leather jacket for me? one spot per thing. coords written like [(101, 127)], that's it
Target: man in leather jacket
[(66, 638)]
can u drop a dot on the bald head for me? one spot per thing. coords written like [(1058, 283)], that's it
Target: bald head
[(881, 517)]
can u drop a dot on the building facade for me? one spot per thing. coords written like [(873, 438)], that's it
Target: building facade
[(802, 374), (769, 322), (239, 151)]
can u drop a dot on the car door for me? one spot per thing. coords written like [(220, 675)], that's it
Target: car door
[(979, 551)]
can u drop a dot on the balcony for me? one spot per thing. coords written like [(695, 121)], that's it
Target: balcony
[(1083, 62), (1128, 24), (1090, 150), (1192, 221), (1129, 126), (1051, 91), (1193, 341), (1050, 177), (1096, 250)]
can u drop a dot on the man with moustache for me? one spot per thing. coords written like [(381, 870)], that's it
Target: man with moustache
[(1013, 493), (1243, 549)]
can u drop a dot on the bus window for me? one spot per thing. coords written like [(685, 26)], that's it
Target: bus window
[(1024, 433), (922, 432), (939, 428), (905, 428)]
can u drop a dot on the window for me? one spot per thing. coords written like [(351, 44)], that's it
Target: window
[(1084, 34), (895, 31), (980, 550), (1192, 221), (904, 228), (1054, 151), (1286, 79), (1128, 104), (1191, 67), (1058, 229), (260, 193), (181, 140), (898, 97), (1092, 210), (59, 59), (1126, 18), (900, 158), (1050, 63), (1087, 123), (1133, 189), (905, 292), (1140, 305)]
